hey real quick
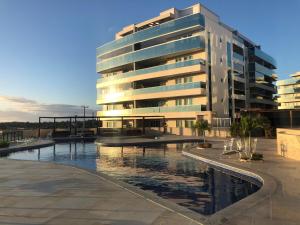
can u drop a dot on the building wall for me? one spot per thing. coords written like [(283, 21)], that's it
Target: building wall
[(289, 92), (288, 143), (203, 86)]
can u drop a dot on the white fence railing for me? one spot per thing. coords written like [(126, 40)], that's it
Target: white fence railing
[(221, 122)]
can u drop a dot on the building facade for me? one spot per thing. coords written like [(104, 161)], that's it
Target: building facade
[(289, 92), (183, 65)]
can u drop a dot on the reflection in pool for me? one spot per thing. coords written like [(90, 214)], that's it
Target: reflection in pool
[(162, 170)]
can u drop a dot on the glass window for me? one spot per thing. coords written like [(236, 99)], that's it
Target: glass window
[(178, 81), (188, 123), (228, 54), (188, 101), (178, 102), (188, 79), (178, 59), (179, 123)]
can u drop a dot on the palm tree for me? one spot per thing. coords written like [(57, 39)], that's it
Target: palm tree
[(201, 126), (247, 125)]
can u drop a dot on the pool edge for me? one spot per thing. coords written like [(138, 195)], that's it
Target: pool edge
[(270, 185)]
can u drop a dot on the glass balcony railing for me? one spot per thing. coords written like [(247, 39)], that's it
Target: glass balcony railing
[(264, 56), (152, 70), (167, 27), (169, 48), (147, 110), (238, 57), (114, 97), (287, 82), (264, 70), (288, 90)]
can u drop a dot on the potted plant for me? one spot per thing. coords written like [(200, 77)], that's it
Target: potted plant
[(247, 125), (200, 127)]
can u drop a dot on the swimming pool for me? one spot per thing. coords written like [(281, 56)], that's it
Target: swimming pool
[(159, 169)]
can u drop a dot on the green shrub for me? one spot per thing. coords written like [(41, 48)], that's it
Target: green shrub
[(4, 144), (235, 129)]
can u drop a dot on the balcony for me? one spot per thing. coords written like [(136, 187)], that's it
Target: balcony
[(239, 97), (187, 89), (152, 110), (238, 57), (264, 56), (263, 101), (265, 86), (287, 90), (168, 49), (264, 70), (288, 82), (196, 20), (153, 72)]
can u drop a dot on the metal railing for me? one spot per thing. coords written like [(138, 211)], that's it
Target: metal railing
[(221, 122)]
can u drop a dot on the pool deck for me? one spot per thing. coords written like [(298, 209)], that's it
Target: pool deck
[(46, 193), (276, 203)]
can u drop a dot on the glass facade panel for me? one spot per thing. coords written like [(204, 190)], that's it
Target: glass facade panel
[(167, 27), (188, 108), (238, 56), (229, 54), (152, 70), (259, 53), (153, 52), (115, 96), (264, 70)]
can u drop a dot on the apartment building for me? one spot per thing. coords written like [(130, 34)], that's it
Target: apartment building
[(289, 92), (183, 65)]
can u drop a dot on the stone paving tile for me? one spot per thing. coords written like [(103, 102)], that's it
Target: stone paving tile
[(45, 193)]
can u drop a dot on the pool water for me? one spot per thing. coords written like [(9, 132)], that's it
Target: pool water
[(159, 169)]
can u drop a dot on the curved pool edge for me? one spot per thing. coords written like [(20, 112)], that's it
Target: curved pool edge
[(269, 186)]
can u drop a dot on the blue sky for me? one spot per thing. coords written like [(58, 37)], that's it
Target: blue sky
[(47, 48)]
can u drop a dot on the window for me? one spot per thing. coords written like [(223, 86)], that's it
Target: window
[(188, 79), (110, 124), (222, 80), (188, 123), (203, 107), (178, 102), (178, 59), (188, 101), (178, 80), (179, 123)]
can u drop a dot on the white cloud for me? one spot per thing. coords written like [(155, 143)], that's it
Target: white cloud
[(22, 109)]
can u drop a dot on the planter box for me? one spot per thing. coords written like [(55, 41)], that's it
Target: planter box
[(205, 145)]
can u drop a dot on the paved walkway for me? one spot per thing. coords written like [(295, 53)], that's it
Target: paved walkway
[(278, 201), (46, 193)]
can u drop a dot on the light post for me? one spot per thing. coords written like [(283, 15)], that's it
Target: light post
[(84, 107)]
